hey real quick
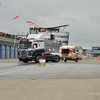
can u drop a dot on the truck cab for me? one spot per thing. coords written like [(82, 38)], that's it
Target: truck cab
[(29, 50)]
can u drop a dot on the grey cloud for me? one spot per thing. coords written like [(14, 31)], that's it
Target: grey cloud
[(81, 15)]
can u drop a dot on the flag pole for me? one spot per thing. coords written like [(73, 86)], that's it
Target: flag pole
[(17, 26), (34, 26), (16, 29), (38, 28)]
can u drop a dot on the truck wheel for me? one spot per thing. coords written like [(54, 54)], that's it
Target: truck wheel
[(25, 61), (57, 58), (37, 59)]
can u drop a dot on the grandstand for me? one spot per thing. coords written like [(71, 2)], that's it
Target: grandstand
[(9, 45)]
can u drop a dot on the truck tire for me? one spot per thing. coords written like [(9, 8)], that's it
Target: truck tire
[(37, 59), (57, 58), (25, 61)]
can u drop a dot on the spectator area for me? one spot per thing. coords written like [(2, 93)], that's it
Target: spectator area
[(9, 37)]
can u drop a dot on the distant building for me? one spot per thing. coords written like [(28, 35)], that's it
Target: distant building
[(95, 51), (59, 35)]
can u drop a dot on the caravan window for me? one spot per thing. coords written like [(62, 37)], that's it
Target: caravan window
[(77, 50), (65, 51), (74, 51)]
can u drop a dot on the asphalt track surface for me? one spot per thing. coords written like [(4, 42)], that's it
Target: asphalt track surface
[(54, 81)]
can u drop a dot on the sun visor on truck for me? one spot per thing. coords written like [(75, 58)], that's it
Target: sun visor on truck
[(25, 41)]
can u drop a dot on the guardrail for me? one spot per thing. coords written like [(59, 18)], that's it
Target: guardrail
[(7, 39)]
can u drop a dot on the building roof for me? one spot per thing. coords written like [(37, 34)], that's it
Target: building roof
[(54, 26)]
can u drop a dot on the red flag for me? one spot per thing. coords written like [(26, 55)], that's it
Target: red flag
[(47, 33), (37, 25), (0, 4), (29, 22), (32, 23), (42, 29), (15, 17)]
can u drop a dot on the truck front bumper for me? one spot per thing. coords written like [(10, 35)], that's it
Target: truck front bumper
[(26, 59)]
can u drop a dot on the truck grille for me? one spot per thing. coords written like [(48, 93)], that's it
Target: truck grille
[(24, 53)]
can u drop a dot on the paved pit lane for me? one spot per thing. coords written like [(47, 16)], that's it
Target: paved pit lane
[(61, 70), (55, 81)]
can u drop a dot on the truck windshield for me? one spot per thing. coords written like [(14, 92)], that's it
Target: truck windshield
[(25, 45)]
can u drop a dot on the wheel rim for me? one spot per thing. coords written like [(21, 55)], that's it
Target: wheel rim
[(56, 58), (37, 58)]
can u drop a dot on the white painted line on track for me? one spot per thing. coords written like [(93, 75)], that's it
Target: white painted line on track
[(13, 71)]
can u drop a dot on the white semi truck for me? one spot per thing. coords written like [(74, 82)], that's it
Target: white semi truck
[(31, 50)]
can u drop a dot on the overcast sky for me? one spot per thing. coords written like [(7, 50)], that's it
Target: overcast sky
[(83, 17)]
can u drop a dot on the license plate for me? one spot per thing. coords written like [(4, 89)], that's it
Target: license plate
[(23, 58)]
